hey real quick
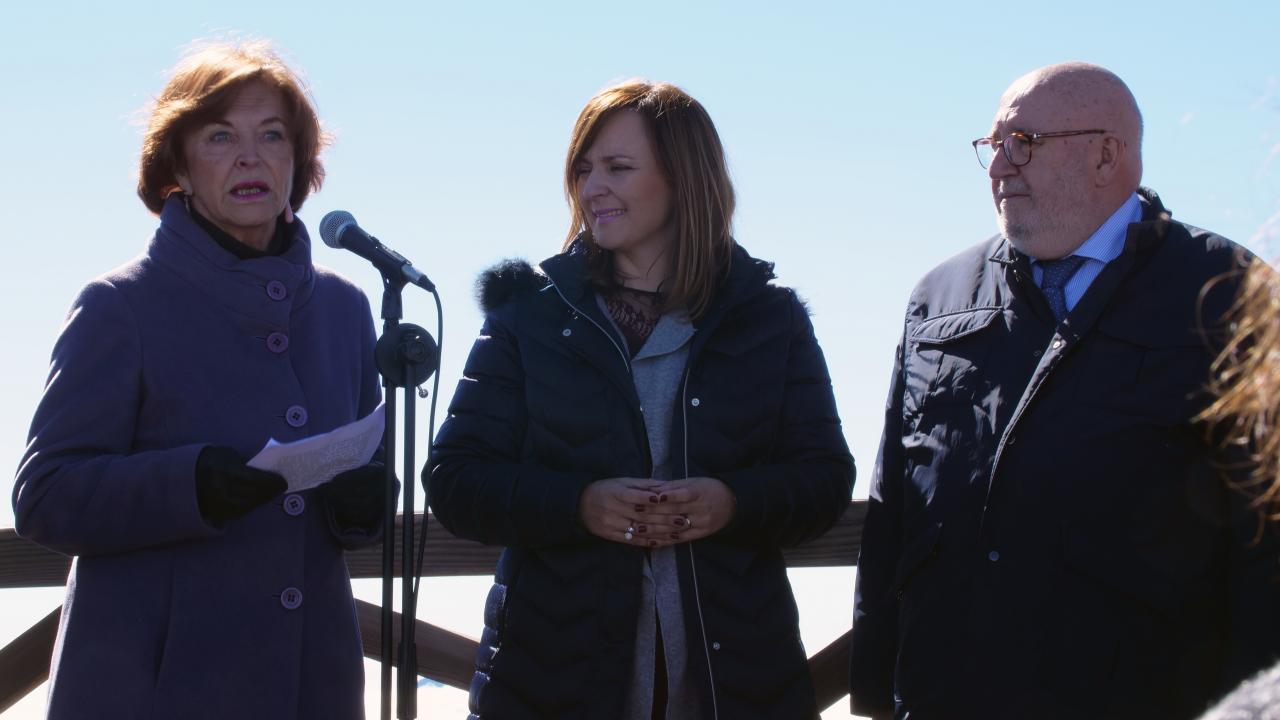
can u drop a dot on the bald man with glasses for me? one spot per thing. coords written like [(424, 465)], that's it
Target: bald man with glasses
[(1050, 533)]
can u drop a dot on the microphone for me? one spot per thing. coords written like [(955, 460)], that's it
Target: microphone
[(339, 230)]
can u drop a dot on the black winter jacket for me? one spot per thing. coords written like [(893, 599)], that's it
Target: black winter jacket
[(547, 405), (1048, 535)]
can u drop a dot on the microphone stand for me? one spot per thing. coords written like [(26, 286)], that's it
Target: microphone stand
[(406, 355)]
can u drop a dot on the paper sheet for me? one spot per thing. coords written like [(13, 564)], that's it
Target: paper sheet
[(316, 460)]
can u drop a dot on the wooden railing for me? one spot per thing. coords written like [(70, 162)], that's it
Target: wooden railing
[(442, 655)]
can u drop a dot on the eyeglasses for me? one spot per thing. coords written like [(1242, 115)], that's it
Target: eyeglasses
[(1017, 145)]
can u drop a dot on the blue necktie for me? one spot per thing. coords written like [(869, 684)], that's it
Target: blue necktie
[(1055, 277)]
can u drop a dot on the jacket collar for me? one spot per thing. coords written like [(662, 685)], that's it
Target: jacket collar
[(568, 271), (1154, 226), (1150, 230), (747, 276), (182, 246)]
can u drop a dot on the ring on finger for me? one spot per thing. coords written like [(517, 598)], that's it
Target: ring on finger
[(630, 533), (688, 522)]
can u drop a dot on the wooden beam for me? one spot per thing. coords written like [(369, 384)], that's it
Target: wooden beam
[(442, 655), (830, 671), (837, 547), (446, 555), (25, 564), (450, 556), (24, 663)]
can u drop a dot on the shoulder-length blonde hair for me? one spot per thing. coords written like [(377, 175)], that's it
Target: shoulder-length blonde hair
[(201, 89), (692, 160), (1246, 380)]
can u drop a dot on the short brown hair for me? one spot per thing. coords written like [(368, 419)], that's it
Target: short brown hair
[(201, 88), (692, 159)]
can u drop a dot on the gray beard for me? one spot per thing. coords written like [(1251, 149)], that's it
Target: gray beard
[(1019, 235), (1045, 240)]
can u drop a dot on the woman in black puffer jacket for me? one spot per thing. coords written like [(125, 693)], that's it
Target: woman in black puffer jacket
[(644, 423)]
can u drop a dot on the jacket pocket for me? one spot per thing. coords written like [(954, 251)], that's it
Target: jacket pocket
[(747, 337), (949, 355), (1147, 368)]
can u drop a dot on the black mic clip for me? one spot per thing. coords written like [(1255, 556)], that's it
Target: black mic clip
[(407, 356)]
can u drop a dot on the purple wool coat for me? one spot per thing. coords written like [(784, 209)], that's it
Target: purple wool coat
[(167, 616)]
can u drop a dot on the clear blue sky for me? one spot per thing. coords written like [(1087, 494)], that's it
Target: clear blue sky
[(847, 126)]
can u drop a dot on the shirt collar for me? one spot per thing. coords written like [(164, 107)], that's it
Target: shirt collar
[(1107, 242)]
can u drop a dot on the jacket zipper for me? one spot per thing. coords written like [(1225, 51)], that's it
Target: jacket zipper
[(693, 563), (626, 363), (625, 360)]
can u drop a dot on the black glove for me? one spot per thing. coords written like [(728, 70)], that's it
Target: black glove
[(357, 497), (226, 488)]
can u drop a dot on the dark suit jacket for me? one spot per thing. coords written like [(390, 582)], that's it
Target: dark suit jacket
[(1049, 532)]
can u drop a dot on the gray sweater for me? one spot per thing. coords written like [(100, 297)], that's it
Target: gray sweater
[(656, 370)]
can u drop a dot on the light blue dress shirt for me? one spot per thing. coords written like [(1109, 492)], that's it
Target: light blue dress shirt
[(1104, 245)]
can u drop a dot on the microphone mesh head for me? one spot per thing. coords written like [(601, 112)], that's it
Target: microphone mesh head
[(332, 224)]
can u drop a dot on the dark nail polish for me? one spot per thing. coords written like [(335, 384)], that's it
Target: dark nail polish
[(642, 528), (655, 498), (677, 521), (662, 498), (639, 508), (653, 543), (675, 536)]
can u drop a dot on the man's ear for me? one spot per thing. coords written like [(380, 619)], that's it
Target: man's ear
[(1110, 160)]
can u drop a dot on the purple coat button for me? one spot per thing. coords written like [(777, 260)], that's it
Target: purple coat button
[(294, 505), (276, 290), (277, 342), (296, 416), (291, 598)]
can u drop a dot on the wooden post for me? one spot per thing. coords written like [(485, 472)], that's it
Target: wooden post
[(24, 663)]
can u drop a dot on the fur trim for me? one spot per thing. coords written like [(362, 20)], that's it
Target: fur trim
[(507, 281)]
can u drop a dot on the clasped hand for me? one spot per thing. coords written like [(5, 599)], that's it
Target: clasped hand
[(651, 513)]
